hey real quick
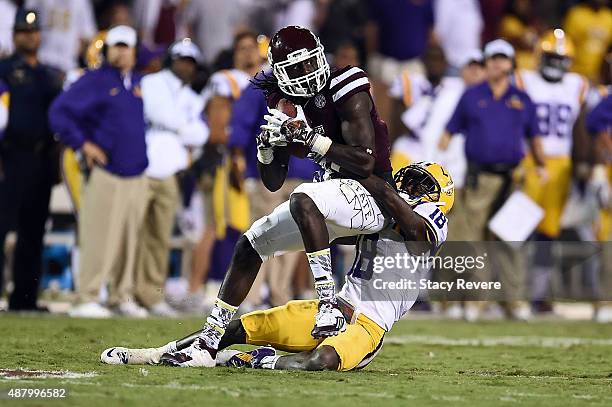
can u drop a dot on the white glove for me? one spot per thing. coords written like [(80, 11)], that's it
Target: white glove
[(265, 151), (275, 120)]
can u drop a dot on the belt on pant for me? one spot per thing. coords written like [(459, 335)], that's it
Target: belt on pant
[(503, 171)]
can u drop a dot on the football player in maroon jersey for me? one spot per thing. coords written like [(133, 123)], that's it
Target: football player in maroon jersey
[(338, 123)]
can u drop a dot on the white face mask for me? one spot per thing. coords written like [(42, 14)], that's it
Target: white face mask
[(307, 85)]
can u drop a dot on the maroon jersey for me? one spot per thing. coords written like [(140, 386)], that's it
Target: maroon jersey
[(322, 113)]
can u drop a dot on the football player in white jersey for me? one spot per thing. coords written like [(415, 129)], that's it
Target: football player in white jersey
[(414, 95), (559, 97), (426, 194)]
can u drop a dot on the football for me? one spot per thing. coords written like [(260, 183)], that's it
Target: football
[(289, 108)]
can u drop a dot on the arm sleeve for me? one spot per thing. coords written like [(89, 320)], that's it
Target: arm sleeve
[(71, 108), (457, 122)]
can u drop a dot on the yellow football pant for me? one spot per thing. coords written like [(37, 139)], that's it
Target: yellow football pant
[(551, 195), (287, 328)]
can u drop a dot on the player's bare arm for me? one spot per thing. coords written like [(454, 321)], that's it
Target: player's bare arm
[(412, 226), (535, 145), (357, 156)]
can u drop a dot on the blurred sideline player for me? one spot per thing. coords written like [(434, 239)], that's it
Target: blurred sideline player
[(412, 97), (341, 130), (425, 195), (559, 98), (423, 104), (225, 202)]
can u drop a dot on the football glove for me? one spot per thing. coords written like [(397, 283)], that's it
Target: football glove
[(274, 121), (265, 150)]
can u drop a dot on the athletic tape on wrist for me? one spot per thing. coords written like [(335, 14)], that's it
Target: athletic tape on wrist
[(321, 145), (265, 155)]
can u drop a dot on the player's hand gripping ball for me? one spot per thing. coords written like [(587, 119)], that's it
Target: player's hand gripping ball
[(292, 126)]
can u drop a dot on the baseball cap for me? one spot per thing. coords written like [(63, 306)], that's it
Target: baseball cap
[(472, 56), (26, 20), (185, 48), (499, 47), (121, 34)]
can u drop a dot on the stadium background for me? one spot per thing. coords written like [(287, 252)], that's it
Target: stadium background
[(387, 38)]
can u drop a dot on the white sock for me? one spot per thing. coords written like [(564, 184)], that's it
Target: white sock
[(214, 327), (269, 362), (321, 268)]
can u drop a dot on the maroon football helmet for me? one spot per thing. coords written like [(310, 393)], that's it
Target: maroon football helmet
[(298, 62)]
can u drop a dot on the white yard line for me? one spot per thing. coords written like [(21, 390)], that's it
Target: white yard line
[(28, 374)]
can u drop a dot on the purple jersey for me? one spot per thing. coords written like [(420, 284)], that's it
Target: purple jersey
[(322, 112)]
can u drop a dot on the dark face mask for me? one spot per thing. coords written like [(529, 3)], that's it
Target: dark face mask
[(553, 67)]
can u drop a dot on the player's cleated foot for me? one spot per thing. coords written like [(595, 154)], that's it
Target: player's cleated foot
[(194, 356), (329, 321), (115, 356), (252, 359), (144, 356)]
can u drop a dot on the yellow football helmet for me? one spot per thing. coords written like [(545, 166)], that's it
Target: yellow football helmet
[(556, 42), (555, 51), (426, 182)]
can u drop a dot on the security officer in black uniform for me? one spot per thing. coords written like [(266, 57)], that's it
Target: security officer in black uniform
[(28, 158)]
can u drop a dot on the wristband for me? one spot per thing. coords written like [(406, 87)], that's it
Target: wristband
[(265, 155), (600, 173), (321, 145)]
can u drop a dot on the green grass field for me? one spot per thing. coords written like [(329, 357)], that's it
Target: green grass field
[(422, 363)]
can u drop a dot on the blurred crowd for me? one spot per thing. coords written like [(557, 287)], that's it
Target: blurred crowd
[(144, 111)]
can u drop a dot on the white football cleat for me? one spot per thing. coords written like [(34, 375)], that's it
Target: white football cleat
[(193, 356), (329, 321), (145, 356), (115, 356)]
